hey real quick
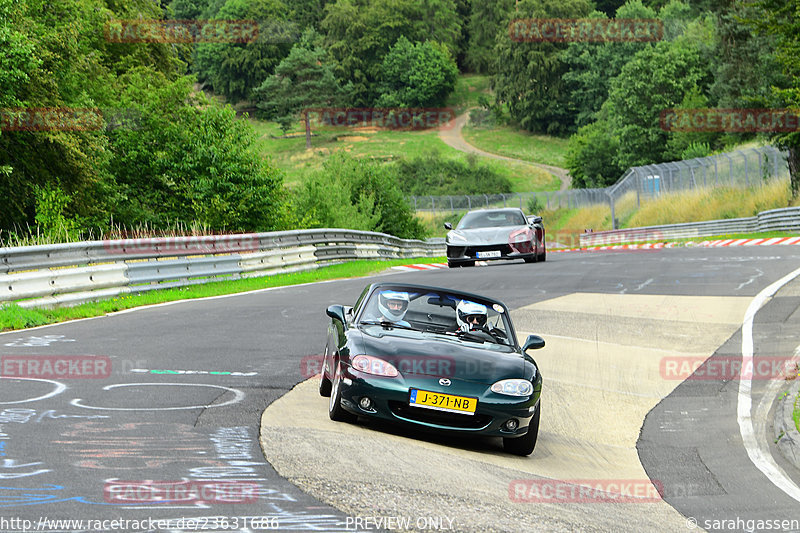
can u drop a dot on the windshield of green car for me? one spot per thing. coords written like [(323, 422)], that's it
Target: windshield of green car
[(435, 312)]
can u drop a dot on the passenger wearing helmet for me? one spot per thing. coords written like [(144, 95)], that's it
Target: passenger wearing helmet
[(393, 306), (471, 316)]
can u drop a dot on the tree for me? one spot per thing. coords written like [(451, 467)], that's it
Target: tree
[(416, 75), (485, 22), (432, 174), (303, 80), (359, 33), (592, 65), (591, 156), (530, 75), (190, 160), (235, 69), (357, 194), (778, 19), (657, 78)]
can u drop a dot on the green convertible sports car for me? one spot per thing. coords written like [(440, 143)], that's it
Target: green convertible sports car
[(434, 358)]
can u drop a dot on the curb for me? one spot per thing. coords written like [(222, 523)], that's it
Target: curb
[(786, 434)]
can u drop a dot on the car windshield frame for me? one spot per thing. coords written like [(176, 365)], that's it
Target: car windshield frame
[(483, 219), (498, 313)]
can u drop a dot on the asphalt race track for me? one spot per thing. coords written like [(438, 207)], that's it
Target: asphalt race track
[(172, 396)]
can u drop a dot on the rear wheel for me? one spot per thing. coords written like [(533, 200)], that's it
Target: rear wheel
[(335, 410), (468, 263), (525, 444)]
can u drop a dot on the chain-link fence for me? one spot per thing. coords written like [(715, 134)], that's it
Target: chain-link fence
[(740, 168)]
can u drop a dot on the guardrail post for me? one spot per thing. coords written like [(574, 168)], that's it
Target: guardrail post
[(469, 202), (486, 196), (433, 206), (504, 199), (452, 209)]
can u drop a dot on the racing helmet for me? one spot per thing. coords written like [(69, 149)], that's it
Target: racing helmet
[(471, 315), (393, 305)]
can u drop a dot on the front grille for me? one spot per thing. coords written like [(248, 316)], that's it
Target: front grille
[(471, 251), (455, 251), (440, 418)]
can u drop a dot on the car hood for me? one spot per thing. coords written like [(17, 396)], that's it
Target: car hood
[(413, 352), (483, 235)]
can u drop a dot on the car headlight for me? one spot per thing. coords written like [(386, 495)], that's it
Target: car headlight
[(523, 235), (513, 387), (374, 366), (453, 236)]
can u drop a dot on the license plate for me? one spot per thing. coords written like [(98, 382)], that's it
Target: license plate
[(488, 255), (443, 402)]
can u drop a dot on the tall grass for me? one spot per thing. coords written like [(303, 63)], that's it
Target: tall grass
[(711, 204)]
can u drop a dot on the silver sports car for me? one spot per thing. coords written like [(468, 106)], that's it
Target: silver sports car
[(490, 234)]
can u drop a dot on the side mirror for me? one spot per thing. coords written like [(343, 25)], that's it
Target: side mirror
[(534, 219), (448, 225), (534, 342), (336, 312)]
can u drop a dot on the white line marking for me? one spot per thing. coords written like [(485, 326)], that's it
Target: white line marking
[(60, 387), (759, 455), (238, 397), (643, 285)]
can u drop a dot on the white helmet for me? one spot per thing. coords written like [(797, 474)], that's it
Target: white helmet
[(471, 315), (393, 305)]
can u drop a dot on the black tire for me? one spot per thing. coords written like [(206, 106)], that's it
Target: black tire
[(335, 410), (525, 444), (324, 383), (543, 257), (452, 265), (468, 264), (531, 259)]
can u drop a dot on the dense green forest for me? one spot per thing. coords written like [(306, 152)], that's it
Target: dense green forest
[(161, 152)]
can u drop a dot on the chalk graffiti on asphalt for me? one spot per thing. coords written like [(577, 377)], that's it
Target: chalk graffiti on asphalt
[(45, 340)]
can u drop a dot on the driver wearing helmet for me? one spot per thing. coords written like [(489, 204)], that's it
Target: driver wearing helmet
[(393, 306), (471, 316)]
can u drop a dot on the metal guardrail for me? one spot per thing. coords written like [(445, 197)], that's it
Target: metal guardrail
[(740, 168), (66, 274), (785, 219)]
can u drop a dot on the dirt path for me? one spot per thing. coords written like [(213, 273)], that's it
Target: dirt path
[(452, 137)]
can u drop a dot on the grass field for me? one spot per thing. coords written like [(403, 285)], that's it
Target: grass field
[(15, 317), (291, 155), (468, 89), (512, 142)]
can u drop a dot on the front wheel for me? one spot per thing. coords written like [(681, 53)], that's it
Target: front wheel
[(335, 410), (525, 444)]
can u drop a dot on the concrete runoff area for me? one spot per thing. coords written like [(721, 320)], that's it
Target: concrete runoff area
[(603, 372)]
